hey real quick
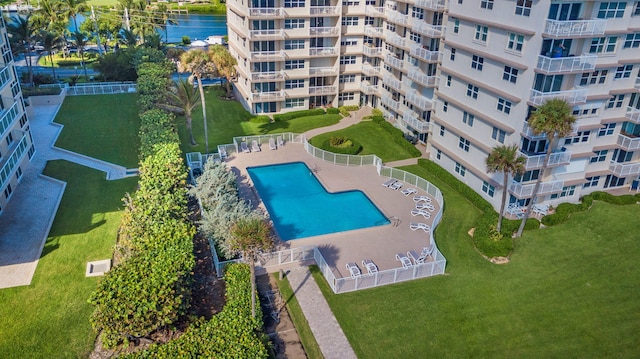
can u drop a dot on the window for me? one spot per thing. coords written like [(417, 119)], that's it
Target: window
[(482, 32), (603, 44), (442, 129), (591, 182), (349, 41), (632, 40), (621, 156), (515, 42), (460, 169), (294, 102), (351, 3), (294, 23), (472, 91), (468, 118), (293, 64), (609, 10), (523, 7), (347, 79), (488, 189), (456, 25), (350, 21), (582, 136), (347, 60), (607, 130), (391, 27), (623, 72), (599, 157), (448, 80), (615, 101), (346, 96), (566, 191), (417, 12), (498, 134), (18, 173), (527, 176), (9, 139), (585, 111), (438, 154), (293, 44), (636, 9), (464, 144), (445, 106), (613, 181), (510, 74), (453, 54), (293, 3), (591, 78), (294, 84), (486, 4), (414, 36), (7, 191), (477, 62), (504, 105)]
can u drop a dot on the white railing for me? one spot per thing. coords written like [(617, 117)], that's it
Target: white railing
[(568, 28), (267, 33), (270, 75), (528, 131), (390, 103), (396, 17), (418, 76), (268, 95), (576, 96), (7, 117), (426, 55), (326, 71), (267, 55), (323, 31), (13, 160), (427, 29), (5, 76), (262, 139), (394, 61), (322, 90), (267, 12), (101, 88), (373, 31), (396, 40), (633, 115), (628, 143), (623, 170), (374, 11), (368, 89), (372, 51), (324, 10), (431, 4), (556, 159), (526, 190), (323, 51), (369, 70), (420, 101), (567, 64), (411, 119), (392, 82)]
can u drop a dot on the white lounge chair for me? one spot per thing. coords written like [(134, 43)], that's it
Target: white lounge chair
[(279, 141), (422, 199), (354, 270), (223, 152), (541, 209), (515, 210), (406, 262), (254, 146), (415, 226), (427, 251), (396, 186), (272, 144), (415, 257), (244, 147), (390, 182), (427, 206), (372, 268), (421, 212), (409, 191)]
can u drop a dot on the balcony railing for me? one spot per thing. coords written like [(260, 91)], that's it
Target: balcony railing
[(374, 11), (394, 61), (396, 17), (323, 71), (567, 64), (431, 4), (7, 118), (556, 159), (427, 29), (633, 115), (372, 31), (267, 55), (416, 75), (266, 12), (526, 190), (323, 31), (322, 90), (390, 103), (372, 51), (324, 10), (267, 76), (271, 34), (392, 82), (323, 51), (411, 119), (529, 132), (268, 96), (5, 76), (396, 40), (370, 70), (368, 89), (419, 101), (628, 143), (624, 169), (571, 28), (13, 160), (425, 55), (573, 97)]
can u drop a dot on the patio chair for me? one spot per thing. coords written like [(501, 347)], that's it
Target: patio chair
[(426, 199), (396, 186), (279, 141), (415, 226), (409, 191), (406, 262), (541, 209), (390, 182), (272, 144), (254, 146), (354, 270), (223, 152), (427, 206), (244, 147), (415, 257), (427, 251), (421, 212), (372, 268)]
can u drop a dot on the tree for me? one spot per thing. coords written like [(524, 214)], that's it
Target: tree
[(505, 159), (554, 118), (198, 63), (51, 41), (71, 9), (128, 38), (81, 41), (183, 98), (251, 236), (225, 64), (22, 33)]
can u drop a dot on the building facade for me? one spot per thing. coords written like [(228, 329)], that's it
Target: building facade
[(16, 143), (463, 76)]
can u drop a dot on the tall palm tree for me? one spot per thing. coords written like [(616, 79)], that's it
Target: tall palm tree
[(251, 236), (22, 34), (71, 9), (505, 159), (225, 64), (554, 118), (128, 37), (50, 41), (183, 98), (198, 63), (80, 41)]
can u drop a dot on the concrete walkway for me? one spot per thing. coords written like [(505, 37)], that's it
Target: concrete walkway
[(324, 326)]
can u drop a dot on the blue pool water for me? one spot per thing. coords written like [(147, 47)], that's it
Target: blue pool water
[(300, 206)]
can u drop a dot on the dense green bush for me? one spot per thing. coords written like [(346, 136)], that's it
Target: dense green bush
[(377, 118), (345, 110), (346, 146), (377, 112), (156, 128), (564, 210), (260, 119), (295, 114), (153, 83), (40, 91), (333, 111)]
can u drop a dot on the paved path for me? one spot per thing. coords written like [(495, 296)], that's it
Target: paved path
[(324, 326)]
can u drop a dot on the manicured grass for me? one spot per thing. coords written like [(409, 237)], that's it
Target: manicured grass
[(101, 126), (50, 317), (373, 138), (309, 343), (570, 291)]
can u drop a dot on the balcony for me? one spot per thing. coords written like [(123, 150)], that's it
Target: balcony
[(416, 75), (324, 51), (526, 190), (396, 17), (9, 165), (425, 55), (573, 97), (390, 103), (324, 31), (633, 115), (410, 119), (372, 51), (427, 29), (419, 101), (268, 96), (5, 76), (323, 71), (369, 70), (575, 64), (373, 31), (266, 12), (574, 28), (624, 169), (396, 40), (392, 82), (266, 34), (7, 117), (437, 5), (267, 76), (394, 61), (322, 90), (324, 10), (374, 11), (267, 55), (368, 89), (628, 143), (556, 159)]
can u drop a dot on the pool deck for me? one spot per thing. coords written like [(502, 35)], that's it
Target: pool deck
[(379, 244)]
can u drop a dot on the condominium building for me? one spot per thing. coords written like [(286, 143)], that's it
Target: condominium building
[(16, 144), (462, 76)]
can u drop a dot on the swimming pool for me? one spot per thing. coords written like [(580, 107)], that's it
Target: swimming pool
[(300, 206)]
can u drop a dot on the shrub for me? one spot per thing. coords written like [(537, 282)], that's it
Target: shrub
[(186, 40), (295, 114), (564, 210), (40, 91), (345, 110), (260, 119), (377, 118), (339, 141), (342, 145), (333, 111), (377, 112)]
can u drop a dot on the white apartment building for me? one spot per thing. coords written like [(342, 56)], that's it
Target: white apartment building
[(16, 144), (463, 76)]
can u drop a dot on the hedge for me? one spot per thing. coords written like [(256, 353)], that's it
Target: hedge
[(260, 119), (345, 110), (333, 111), (354, 149), (564, 210), (295, 114)]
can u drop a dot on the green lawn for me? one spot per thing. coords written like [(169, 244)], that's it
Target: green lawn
[(50, 317), (101, 126), (570, 291), (372, 137)]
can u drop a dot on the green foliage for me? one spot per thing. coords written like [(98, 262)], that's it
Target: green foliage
[(153, 83), (145, 55), (117, 66), (377, 118), (345, 110), (295, 114), (398, 138), (40, 91), (156, 128), (232, 333), (564, 210), (342, 145), (333, 111), (260, 119), (376, 112), (186, 40), (494, 234), (339, 141)]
